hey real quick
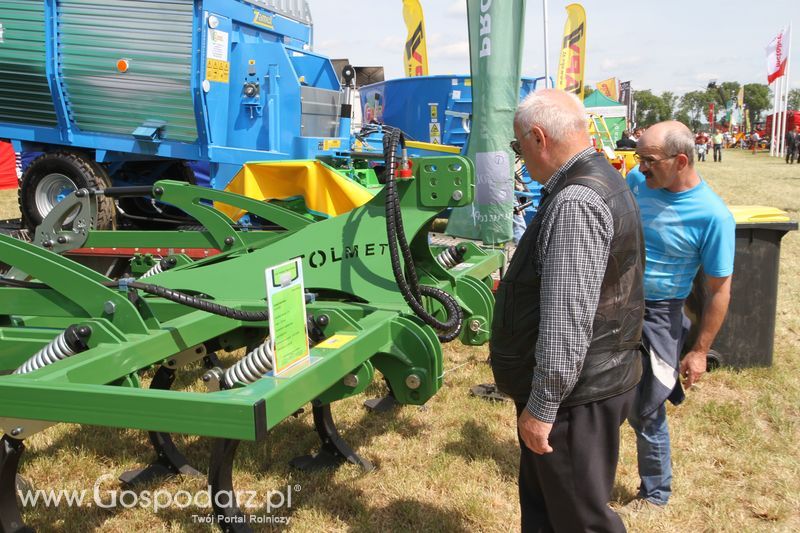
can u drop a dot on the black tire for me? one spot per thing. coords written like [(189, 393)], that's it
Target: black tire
[(62, 170), (143, 172)]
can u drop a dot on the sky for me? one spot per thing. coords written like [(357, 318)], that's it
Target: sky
[(662, 45)]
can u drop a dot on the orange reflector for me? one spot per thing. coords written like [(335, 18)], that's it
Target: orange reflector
[(123, 65)]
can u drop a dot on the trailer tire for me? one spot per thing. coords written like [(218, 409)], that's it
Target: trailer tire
[(141, 172), (54, 174)]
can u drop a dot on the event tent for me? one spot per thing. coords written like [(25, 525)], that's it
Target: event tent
[(612, 111)]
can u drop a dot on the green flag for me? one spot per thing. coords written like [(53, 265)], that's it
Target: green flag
[(495, 41)]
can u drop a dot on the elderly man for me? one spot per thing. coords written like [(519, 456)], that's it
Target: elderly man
[(685, 225), (567, 321)]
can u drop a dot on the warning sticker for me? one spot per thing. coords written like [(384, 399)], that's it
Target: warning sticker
[(462, 266), (217, 45), (435, 133), (434, 112), (330, 144), (335, 342), (218, 71)]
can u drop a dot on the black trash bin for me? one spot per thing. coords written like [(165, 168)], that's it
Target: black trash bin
[(747, 336)]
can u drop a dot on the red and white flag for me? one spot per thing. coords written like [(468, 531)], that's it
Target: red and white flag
[(777, 52)]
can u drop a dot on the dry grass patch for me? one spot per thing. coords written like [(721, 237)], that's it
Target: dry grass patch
[(451, 466), (9, 208)]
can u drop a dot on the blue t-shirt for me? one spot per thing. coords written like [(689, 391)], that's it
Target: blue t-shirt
[(682, 230)]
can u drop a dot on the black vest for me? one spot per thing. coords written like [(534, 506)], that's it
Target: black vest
[(613, 363)]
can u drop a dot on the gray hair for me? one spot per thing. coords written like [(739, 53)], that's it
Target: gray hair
[(679, 141), (545, 108)]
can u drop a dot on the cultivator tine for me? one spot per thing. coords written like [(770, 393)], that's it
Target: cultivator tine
[(169, 460), (11, 450), (381, 405), (220, 479), (334, 451)]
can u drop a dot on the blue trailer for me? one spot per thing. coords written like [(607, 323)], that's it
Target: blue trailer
[(123, 92)]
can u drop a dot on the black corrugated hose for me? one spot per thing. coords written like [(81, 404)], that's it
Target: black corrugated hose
[(407, 282)]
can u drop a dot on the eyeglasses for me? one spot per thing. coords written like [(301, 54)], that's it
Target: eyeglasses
[(516, 145), (650, 161)]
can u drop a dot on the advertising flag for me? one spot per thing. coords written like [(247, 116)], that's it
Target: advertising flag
[(573, 51), (740, 97), (608, 87), (626, 97), (495, 62), (415, 55), (777, 52), (711, 114)]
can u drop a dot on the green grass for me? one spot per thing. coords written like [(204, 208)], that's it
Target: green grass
[(451, 466)]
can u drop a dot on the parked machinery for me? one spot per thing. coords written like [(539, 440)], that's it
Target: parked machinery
[(74, 343), (127, 92)]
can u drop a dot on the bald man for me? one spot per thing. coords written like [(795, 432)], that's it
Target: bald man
[(567, 321), (686, 225)]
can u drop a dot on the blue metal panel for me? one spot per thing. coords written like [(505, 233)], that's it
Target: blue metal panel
[(218, 122), (412, 104)]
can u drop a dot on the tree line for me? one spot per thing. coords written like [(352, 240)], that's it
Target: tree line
[(692, 108)]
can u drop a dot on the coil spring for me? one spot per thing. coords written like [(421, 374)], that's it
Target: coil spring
[(161, 266), (451, 256), (67, 343), (252, 366)]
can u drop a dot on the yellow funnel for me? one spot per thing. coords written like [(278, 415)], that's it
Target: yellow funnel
[(326, 192)]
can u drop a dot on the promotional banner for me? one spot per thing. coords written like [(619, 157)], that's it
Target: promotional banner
[(747, 121), (573, 52), (415, 55), (740, 97), (608, 87), (626, 97), (777, 52), (711, 115), (495, 43)]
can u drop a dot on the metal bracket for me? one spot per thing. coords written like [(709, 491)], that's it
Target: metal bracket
[(151, 130), (185, 357), (20, 428), (50, 234)]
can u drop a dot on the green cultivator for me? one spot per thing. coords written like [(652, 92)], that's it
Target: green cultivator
[(74, 342)]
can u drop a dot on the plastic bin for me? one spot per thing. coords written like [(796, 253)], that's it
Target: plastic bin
[(747, 336)]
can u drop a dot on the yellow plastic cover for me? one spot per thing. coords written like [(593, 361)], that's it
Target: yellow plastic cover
[(325, 191), (755, 214)]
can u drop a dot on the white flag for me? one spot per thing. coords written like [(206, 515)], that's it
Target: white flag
[(777, 52)]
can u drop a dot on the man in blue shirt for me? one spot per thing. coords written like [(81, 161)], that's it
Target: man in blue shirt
[(686, 225)]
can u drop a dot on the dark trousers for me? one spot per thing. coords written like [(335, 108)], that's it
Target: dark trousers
[(568, 490), (791, 151), (717, 152)]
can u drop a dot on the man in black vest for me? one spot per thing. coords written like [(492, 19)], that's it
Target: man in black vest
[(568, 319)]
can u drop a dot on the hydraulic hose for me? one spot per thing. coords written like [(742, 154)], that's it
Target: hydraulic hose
[(407, 281), (192, 301)]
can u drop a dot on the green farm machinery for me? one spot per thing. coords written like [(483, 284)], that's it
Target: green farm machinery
[(75, 344)]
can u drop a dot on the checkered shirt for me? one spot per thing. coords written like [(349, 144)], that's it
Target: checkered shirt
[(571, 256)]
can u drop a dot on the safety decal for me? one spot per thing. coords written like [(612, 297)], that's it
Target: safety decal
[(218, 71), (435, 133), (335, 342)]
